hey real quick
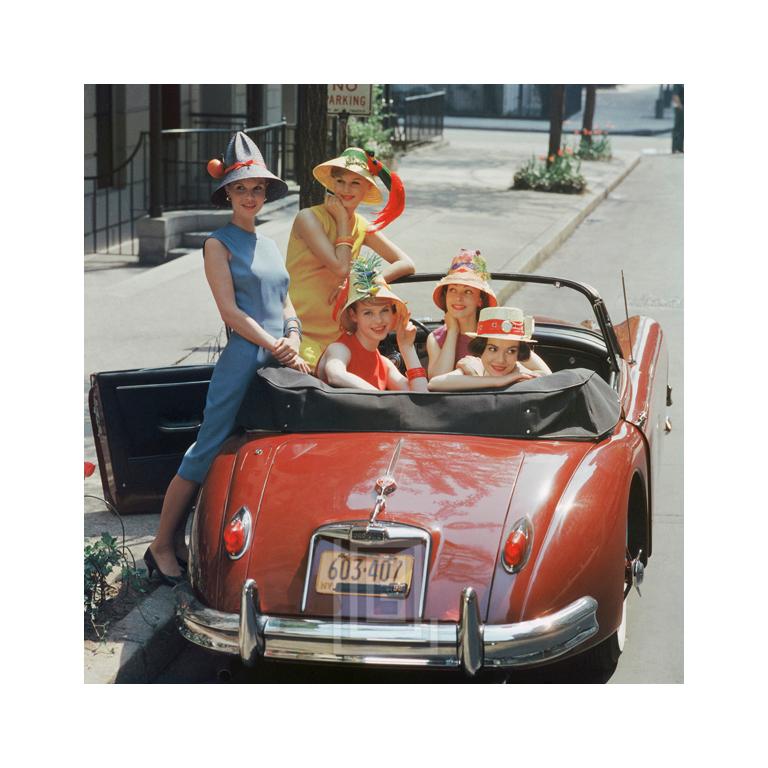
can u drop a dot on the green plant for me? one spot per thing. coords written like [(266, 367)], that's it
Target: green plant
[(593, 145), (560, 174), (100, 560), (369, 132)]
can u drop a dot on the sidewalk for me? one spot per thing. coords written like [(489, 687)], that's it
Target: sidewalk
[(458, 196), (626, 110)]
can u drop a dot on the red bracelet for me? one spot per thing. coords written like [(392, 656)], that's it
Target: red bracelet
[(415, 373), (350, 241)]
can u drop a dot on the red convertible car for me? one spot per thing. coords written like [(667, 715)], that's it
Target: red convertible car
[(492, 530)]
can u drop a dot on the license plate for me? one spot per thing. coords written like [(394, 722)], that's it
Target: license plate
[(378, 575)]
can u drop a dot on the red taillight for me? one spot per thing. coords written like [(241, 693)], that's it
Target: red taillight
[(516, 547), (237, 534), (234, 537), (90, 468)]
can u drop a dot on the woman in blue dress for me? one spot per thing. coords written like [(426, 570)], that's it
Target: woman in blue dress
[(249, 282)]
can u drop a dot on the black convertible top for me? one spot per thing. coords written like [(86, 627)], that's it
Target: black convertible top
[(574, 404)]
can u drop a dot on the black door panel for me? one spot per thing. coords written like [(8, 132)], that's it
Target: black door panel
[(143, 422)]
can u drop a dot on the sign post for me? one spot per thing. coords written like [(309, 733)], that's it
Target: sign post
[(346, 100)]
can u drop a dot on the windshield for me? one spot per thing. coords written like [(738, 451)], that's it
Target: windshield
[(546, 302)]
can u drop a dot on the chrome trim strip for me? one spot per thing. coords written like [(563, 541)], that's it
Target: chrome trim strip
[(470, 633), (251, 639), (528, 642), (391, 532), (469, 645)]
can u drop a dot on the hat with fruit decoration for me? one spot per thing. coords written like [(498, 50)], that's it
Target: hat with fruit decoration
[(363, 163), (506, 323), (468, 268), (364, 282), (242, 160)]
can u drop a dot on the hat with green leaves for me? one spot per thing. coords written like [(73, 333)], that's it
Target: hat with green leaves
[(364, 282)]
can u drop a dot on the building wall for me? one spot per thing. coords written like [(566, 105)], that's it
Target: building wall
[(108, 210)]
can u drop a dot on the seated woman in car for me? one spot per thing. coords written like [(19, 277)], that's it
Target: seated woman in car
[(367, 311), (499, 351)]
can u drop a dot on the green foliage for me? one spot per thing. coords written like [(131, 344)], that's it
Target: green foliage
[(100, 560), (594, 146), (369, 132), (561, 174)]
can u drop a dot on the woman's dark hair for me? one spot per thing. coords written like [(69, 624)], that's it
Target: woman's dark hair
[(478, 344), (483, 298)]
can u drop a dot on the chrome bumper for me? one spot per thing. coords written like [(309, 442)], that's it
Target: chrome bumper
[(468, 645)]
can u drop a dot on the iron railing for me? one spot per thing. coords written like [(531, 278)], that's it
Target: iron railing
[(420, 119), (232, 121), (111, 210), (186, 152)]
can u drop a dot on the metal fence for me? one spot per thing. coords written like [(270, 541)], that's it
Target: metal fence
[(114, 201), (186, 152), (419, 119)]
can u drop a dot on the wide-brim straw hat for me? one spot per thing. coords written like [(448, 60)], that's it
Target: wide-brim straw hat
[(243, 160), (364, 282), (468, 268), (351, 159), (506, 323)]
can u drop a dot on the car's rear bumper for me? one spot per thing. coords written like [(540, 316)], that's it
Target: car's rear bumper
[(468, 644)]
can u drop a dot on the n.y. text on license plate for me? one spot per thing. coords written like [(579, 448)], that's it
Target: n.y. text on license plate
[(377, 574)]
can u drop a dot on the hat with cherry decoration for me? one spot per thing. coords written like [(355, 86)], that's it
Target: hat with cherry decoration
[(506, 323), (243, 160), (366, 165)]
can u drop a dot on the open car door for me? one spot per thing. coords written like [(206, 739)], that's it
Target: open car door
[(143, 421)]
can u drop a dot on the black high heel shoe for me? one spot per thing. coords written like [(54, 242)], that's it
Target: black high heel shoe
[(152, 566)]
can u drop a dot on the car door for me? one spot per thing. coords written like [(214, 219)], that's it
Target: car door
[(143, 421)]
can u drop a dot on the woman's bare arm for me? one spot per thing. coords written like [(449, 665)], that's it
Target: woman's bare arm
[(399, 263), (307, 226)]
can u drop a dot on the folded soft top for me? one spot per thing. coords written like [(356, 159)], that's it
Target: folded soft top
[(573, 404)]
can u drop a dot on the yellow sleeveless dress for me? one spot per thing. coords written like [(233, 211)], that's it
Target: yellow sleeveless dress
[(312, 283)]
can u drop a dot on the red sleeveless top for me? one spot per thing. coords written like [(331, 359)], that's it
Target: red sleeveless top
[(371, 366)]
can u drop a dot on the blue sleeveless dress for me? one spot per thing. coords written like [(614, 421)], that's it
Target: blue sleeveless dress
[(261, 285)]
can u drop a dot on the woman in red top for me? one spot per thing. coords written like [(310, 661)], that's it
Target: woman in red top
[(370, 311)]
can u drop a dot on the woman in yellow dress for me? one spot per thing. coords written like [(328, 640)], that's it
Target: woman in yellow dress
[(327, 237)]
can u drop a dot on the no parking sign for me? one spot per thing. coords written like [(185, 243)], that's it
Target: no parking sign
[(352, 99)]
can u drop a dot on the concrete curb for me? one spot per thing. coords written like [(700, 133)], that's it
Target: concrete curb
[(546, 244), (139, 646)]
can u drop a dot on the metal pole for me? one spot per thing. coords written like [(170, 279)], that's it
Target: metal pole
[(343, 117), (155, 151), (284, 149)]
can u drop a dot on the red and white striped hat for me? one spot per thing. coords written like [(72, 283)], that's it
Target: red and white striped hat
[(508, 323)]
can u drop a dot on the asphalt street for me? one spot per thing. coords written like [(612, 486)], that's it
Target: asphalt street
[(639, 229)]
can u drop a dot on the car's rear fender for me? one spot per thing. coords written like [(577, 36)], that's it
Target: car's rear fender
[(579, 539), (645, 394)]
